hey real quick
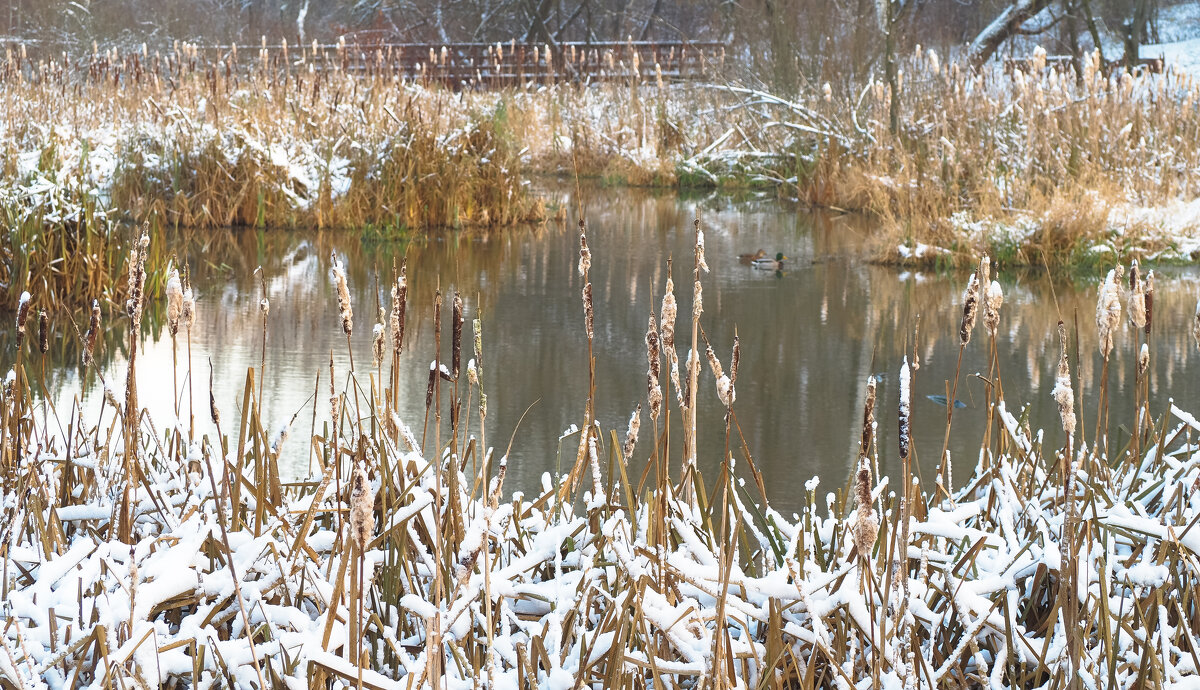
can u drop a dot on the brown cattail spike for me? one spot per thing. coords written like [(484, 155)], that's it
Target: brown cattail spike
[(866, 528), (23, 314), (1137, 296), (43, 332), (399, 304), (868, 430), (456, 336), (1062, 393), (174, 301), (1108, 310), (970, 309), (345, 310), (992, 302), (1149, 300), (653, 371), (362, 510), (905, 409), (89, 350)]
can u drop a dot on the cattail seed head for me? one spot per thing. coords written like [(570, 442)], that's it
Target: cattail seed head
[(362, 510), (653, 370), (377, 341), (23, 313), (187, 313), (1143, 360), (1108, 310), (43, 332), (992, 302), (1149, 300), (456, 336), (1196, 324), (137, 277), (868, 430), (399, 304), (89, 350), (866, 528), (985, 271), (970, 309), (588, 314), (669, 312), (701, 264), (697, 300), (905, 408), (1062, 392), (1137, 296), (631, 433), (345, 310), (174, 301), (585, 254)]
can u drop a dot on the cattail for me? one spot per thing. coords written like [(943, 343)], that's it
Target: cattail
[(1062, 393), (1196, 324), (866, 528), (905, 408), (734, 360), (264, 306), (985, 272), (1108, 310), (697, 300), (1149, 300), (399, 304), (631, 433), (992, 302), (1137, 296), (724, 388), (343, 294), (174, 301), (137, 277), (653, 388), (187, 314), (1143, 360), (377, 341), (456, 336), (588, 313), (669, 312), (477, 329), (970, 309), (585, 254), (868, 431), (701, 264), (43, 332), (362, 510), (89, 350), (23, 313), (433, 374), (827, 91)]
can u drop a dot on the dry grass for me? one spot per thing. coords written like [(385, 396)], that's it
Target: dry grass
[(627, 577)]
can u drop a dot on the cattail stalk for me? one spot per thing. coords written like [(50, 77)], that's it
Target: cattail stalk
[(1108, 319), (362, 528), (965, 327)]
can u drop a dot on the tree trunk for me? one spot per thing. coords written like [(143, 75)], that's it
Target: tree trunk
[(1002, 27)]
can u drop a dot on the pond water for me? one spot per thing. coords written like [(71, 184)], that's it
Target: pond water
[(810, 335)]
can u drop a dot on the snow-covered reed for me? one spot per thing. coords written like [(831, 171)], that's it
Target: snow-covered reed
[(421, 571)]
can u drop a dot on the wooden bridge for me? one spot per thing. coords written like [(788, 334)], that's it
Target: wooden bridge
[(486, 65), (457, 65)]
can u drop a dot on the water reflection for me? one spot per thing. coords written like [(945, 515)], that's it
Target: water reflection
[(810, 335)]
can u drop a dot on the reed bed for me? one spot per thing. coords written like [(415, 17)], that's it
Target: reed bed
[(137, 556), (1046, 163)]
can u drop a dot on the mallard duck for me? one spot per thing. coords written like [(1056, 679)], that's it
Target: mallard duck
[(751, 258), (770, 264)]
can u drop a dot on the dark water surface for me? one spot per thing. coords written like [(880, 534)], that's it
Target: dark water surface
[(810, 336)]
